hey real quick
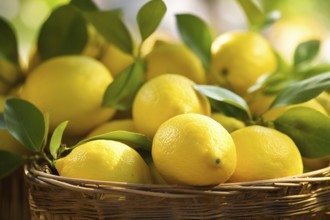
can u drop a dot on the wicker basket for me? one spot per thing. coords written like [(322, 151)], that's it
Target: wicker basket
[(53, 197)]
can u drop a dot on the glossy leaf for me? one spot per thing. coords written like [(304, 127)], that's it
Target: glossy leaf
[(8, 42), (138, 140), (9, 162), (222, 95), (271, 18), (306, 52), (56, 140), (63, 33), (196, 35), (302, 91), (149, 17), (25, 122), (121, 91), (308, 128), (253, 13), (112, 28)]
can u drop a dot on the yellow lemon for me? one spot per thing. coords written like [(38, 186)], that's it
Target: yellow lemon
[(163, 97), (273, 113), (264, 153), (230, 123), (176, 58), (113, 125), (193, 149), (115, 59), (104, 160), (70, 88), (259, 102), (239, 58)]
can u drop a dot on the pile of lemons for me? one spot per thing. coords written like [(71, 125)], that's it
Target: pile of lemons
[(191, 143)]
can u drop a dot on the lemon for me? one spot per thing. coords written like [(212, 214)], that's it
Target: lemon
[(259, 102), (70, 88), (230, 123), (264, 153), (104, 160), (273, 113), (113, 125), (163, 97), (175, 58), (239, 58), (193, 149), (115, 59)]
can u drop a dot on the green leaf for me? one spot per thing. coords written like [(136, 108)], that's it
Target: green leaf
[(138, 141), (270, 18), (229, 110), (302, 91), (8, 42), (64, 32), (308, 128), (196, 35), (112, 28), (253, 13), (9, 162), (121, 92), (56, 140), (306, 52), (2, 121), (84, 5), (149, 17), (226, 96), (314, 70), (25, 122)]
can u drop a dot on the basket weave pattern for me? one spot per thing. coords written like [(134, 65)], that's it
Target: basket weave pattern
[(54, 197)]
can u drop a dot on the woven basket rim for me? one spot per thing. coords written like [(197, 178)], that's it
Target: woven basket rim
[(33, 169)]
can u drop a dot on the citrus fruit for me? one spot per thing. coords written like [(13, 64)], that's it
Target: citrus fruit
[(264, 153), (239, 58), (163, 97), (70, 88), (105, 160), (113, 125), (115, 59), (175, 58), (229, 123), (193, 149)]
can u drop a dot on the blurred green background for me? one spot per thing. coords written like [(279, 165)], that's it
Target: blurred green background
[(301, 19)]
